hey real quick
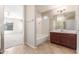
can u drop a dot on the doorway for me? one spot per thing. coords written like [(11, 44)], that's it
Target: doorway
[(13, 25)]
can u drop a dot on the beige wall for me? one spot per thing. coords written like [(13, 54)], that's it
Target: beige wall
[(42, 25), (50, 15), (45, 23), (68, 8)]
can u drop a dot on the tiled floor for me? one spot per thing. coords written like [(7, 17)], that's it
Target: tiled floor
[(45, 48)]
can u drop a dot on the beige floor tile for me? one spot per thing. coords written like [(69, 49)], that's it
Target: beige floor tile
[(45, 48)]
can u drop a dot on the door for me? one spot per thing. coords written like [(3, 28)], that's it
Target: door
[(1, 29)]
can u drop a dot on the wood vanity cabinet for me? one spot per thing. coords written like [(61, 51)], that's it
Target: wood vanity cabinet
[(65, 39)]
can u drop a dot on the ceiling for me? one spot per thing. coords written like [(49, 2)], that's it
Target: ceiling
[(44, 8)]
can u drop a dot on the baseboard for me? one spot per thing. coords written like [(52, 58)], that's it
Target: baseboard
[(30, 45)]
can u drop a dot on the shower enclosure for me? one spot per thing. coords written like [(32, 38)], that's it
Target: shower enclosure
[(42, 27), (37, 26)]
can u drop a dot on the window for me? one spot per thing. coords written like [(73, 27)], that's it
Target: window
[(9, 26)]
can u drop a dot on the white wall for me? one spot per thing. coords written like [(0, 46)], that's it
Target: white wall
[(42, 23), (30, 25), (38, 22), (1, 29), (45, 25)]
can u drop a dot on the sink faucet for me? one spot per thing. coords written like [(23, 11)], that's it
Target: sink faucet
[(61, 30)]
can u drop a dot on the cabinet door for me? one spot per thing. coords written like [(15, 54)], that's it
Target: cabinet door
[(69, 40), (64, 39), (58, 38), (55, 37), (72, 41)]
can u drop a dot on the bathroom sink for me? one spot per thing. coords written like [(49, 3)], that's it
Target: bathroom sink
[(69, 31)]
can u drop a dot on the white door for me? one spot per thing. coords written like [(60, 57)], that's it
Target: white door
[(1, 29)]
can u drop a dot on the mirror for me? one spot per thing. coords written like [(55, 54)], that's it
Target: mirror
[(65, 21)]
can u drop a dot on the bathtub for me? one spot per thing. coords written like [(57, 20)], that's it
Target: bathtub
[(41, 38)]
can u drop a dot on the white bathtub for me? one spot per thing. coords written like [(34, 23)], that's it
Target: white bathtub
[(41, 38)]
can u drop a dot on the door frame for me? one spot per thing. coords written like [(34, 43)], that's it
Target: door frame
[(2, 30)]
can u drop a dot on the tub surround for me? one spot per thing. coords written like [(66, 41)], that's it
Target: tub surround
[(64, 38), (41, 38)]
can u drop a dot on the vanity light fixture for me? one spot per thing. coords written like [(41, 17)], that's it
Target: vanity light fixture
[(61, 11)]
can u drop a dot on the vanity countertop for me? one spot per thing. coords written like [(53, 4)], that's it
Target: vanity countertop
[(66, 31)]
